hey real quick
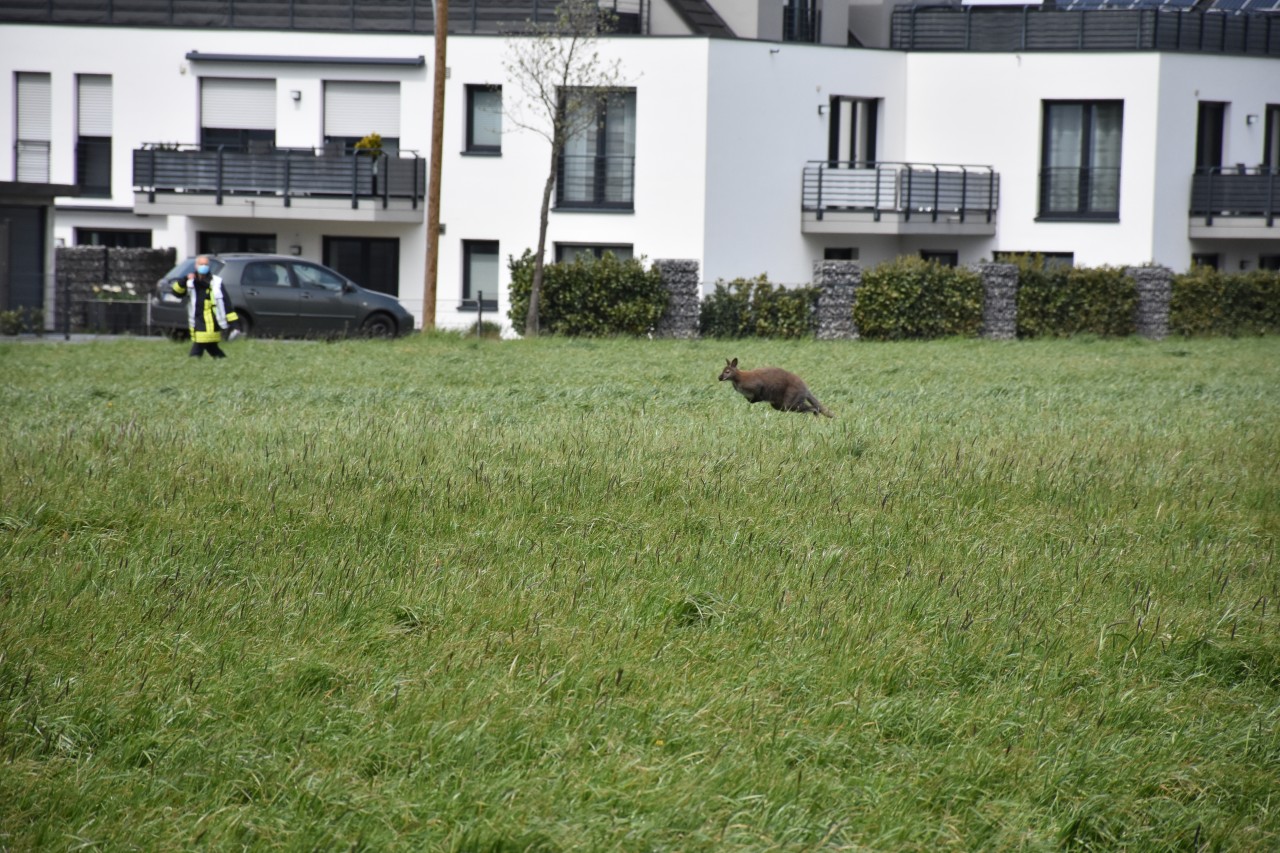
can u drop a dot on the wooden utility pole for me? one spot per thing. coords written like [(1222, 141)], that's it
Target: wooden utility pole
[(433, 187)]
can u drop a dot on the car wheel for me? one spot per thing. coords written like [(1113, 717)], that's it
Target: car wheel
[(379, 326), (244, 324), (178, 334)]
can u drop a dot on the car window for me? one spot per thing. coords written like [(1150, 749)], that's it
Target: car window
[(310, 275), (265, 274), (187, 267)]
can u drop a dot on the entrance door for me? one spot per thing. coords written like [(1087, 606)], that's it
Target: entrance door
[(372, 262)]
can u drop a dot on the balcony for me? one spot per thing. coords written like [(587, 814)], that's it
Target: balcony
[(843, 197), (1235, 202), (279, 183)]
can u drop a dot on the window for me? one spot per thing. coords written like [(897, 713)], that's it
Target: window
[(484, 119), (1269, 262), (567, 253), (1212, 260), (354, 110), (93, 142), (1210, 127), (372, 262), (479, 275), (852, 130), (840, 253), (1271, 138), (211, 243), (801, 20), (1049, 259), (113, 238), (1080, 160), (319, 278), (597, 165), (237, 113), (946, 259), (32, 164)]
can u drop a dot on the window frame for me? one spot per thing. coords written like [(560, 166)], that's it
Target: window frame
[(467, 302), (1085, 186), (601, 173), (471, 146), (597, 250)]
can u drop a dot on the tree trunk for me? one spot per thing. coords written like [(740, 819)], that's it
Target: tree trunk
[(531, 322)]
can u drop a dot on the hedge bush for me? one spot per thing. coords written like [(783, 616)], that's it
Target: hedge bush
[(755, 308), (589, 296), (1208, 302), (912, 298), (1058, 301)]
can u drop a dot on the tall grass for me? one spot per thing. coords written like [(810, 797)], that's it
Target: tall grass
[(451, 594)]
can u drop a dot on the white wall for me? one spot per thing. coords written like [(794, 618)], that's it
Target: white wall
[(1247, 85), (763, 127)]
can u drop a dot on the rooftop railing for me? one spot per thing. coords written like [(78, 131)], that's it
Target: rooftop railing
[(1027, 28), (372, 16)]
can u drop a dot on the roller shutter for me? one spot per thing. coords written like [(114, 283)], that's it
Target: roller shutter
[(237, 103), (33, 127), (93, 117), (358, 109)]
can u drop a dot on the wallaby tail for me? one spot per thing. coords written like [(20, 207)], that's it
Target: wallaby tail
[(818, 408)]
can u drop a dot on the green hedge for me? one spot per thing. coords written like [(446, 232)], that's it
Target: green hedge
[(1208, 302), (755, 308), (589, 297), (1057, 301), (913, 298)]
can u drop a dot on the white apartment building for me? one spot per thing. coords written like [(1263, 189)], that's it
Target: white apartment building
[(754, 136)]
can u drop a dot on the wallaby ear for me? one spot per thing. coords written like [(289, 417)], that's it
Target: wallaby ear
[(733, 363)]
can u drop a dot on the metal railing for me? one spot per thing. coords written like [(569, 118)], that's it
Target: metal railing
[(1236, 191), (596, 181), (287, 172), (1077, 192), (1027, 28), (905, 189), (372, 16)]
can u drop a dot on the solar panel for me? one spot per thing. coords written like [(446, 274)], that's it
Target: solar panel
[(1245, 6)]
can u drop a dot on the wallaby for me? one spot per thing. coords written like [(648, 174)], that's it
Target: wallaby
[(781, 389)]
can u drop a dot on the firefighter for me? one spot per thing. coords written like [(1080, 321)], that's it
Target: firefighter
[(207, 311)]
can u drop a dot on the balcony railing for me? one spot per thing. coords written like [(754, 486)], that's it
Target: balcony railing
[(911, 191), (1026, 28), (1236, 191), (591, 182), (285, 172)]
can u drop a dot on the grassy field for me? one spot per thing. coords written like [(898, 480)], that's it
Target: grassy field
[(447, 594)]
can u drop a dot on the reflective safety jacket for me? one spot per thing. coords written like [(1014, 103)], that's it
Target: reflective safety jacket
[(207, 312)]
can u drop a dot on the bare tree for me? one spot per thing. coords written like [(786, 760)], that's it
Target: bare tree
[(561, 81)]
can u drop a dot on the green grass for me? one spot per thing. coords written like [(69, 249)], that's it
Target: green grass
[(563, 594)]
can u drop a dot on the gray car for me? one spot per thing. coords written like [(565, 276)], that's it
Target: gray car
[(284, 296)]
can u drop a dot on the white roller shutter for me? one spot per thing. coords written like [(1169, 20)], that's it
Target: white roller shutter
[(358, 109), (34, 123), (94, 105), (237, 103), (33, 107)]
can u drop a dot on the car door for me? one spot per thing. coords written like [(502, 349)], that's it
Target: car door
[(270, 297), (324, 305)]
